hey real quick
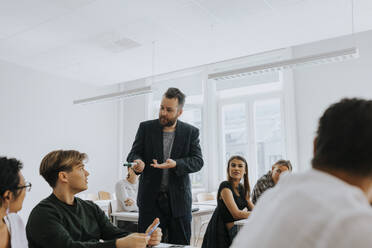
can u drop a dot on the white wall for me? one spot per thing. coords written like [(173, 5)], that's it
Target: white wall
[(315, 89), (319, 86), (133, 111), (37, 116)]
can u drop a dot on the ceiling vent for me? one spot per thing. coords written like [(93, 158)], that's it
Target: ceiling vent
[(116, 43), (125, 44)]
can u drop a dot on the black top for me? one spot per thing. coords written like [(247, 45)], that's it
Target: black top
[(53, 223), (148, 145), (240, 201), (216, 235)]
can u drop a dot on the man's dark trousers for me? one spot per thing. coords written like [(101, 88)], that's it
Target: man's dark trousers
[(176, 230)]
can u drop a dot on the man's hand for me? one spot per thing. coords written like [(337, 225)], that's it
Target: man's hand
[(134, 240), (170, 163), (155, 237), (139, 166), (129, 202)]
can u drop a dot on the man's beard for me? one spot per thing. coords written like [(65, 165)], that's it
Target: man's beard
[(167, 122)]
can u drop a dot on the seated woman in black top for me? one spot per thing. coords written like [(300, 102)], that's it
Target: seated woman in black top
[(233, 203)]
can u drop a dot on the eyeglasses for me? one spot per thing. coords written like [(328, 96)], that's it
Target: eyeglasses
[(27, 186)]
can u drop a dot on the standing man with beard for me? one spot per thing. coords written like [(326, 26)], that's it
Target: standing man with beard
[(166, 151)]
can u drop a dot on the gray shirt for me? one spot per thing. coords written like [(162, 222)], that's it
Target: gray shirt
[(264, 183), (168, 138)]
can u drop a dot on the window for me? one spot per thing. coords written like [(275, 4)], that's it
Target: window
[(192, 114), (234, 130), (268, 133), (251, 125)]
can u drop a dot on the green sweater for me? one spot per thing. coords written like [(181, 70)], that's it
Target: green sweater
[(53, 223)]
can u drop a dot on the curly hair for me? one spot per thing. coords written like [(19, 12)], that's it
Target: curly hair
[(344, 138), (9, 176)]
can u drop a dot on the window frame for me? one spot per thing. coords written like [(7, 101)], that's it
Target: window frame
[(248, 101)]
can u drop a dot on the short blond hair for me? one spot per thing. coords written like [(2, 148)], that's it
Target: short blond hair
[(57, 161)]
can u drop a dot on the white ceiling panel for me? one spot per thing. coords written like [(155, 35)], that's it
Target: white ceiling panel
[(233, 10), (70, 4), (188, 22), (17, 16), (282, 3), (110, 41)]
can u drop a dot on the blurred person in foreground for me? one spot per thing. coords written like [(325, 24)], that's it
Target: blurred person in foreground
[(328, 205)]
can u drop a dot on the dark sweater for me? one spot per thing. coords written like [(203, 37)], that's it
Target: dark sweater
[(53, 223)]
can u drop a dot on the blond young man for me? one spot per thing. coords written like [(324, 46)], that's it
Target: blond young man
[(63, 220)]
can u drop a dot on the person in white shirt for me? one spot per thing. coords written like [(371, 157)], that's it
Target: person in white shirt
[(12, 193), (329, 205), (126, 192)]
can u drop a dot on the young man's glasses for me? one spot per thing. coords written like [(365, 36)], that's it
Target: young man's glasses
[(27, 186)]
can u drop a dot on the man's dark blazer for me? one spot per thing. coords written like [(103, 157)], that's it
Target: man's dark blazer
[(148, 145)]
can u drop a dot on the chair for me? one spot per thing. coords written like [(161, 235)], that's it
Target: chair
[(114, 204), (91, 197), (206, 196), (214, 193), (113, 208), (113, 196), (103, 195)]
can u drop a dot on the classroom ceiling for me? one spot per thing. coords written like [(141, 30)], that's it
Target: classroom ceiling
[(105, 42)]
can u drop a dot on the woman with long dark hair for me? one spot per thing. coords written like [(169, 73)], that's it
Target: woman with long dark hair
[(233, 203)]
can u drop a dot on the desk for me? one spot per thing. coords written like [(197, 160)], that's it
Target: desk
[(163, 245), (133, 216), (125, 216), (240, 223), (103, 204), (206, 203)]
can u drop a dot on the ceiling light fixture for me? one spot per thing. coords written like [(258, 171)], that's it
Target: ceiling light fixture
[(318, 59), (115, 96), (324, 58)]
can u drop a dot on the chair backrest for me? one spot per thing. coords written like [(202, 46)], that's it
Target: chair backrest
[(214, 193), (91, 197), (103, 195), (113, 196), (113, 208), (206, 196)]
